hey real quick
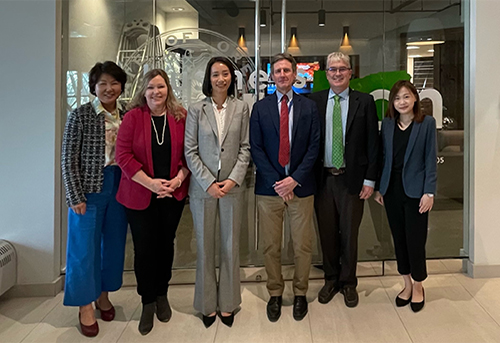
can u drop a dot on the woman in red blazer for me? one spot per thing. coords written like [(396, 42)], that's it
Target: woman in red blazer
[(153, 187)]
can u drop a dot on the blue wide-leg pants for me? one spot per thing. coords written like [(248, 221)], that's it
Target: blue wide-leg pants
[(96, 244)]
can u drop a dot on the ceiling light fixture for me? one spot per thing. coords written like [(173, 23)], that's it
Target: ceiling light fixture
[(263, 18), (294, 43), (345, 45), (241, 38), (425, 31), (432, 42), (177, 9), (321, 16)]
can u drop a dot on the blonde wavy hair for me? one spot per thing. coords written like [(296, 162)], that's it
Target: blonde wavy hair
[(174, 108)]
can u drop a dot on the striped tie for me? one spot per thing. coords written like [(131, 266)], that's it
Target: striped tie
[(284, 149)]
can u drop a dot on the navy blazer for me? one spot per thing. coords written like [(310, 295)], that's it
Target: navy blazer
[(420, 162), (264, 143)]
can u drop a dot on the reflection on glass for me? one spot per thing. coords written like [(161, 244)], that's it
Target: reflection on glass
[(388, 41)]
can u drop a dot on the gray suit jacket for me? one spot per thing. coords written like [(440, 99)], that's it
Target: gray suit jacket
[(420, 162), (202, 149)]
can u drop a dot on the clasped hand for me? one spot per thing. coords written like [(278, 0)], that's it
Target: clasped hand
[(218, 190), (285, 188), (163, 188)]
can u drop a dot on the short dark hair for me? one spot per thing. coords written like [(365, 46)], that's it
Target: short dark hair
[(110, 68), (391, 112), (207, 85), (283, 56)]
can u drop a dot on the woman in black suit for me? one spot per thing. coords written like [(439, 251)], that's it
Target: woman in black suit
[(407, 185)]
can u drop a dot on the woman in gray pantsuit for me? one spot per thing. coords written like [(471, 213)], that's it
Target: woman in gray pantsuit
[(217, 150)]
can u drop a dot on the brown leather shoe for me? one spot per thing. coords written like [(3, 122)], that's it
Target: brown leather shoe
[(106, 315), (88, 330)]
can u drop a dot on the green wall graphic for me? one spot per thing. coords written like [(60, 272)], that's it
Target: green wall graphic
[(367, 84)]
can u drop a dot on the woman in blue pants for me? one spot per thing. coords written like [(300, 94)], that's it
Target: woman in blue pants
[(97, 224)]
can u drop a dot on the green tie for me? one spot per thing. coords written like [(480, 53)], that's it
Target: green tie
[(337, 142)]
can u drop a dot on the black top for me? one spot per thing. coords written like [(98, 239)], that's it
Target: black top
[(400, 143), (161, 153)]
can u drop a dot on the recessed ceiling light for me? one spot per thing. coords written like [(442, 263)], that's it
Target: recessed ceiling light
[(431, 50), (415, 56), (178, 9), (412, 47)]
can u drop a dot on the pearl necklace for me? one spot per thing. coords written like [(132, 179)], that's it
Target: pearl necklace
[(156, 132)]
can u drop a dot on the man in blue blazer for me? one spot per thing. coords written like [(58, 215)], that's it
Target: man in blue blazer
[(284, 139), (346, 171)]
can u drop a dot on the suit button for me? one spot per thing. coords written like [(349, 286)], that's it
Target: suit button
[(222, 150)]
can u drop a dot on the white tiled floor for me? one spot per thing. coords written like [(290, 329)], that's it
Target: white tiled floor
[(458, 309)]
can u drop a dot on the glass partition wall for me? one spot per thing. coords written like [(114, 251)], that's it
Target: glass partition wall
[(387, 40)]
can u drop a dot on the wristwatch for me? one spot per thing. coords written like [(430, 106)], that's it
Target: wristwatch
[(430, 195)]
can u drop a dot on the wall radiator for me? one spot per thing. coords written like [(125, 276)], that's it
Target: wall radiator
[(8, 262)]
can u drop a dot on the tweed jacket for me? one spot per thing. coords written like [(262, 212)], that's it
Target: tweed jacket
[(83, 153)]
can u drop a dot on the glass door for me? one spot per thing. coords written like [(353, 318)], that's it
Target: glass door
[(386, 40)]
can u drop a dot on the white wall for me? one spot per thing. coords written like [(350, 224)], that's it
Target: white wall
[(485, 130), (27, 136)]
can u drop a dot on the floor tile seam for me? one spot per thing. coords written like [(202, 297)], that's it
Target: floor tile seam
[(41, 320), (477, 301), (216, 330), (128, 323), (310, 326), (397, 313), (29, 333)]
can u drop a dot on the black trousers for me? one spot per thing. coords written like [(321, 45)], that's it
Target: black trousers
[(153, 233), (408, 227), (339, 216)]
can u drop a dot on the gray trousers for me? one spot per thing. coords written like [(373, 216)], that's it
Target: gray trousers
[(226, 295)]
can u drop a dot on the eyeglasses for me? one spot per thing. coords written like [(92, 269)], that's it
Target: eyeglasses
[(342, 70)]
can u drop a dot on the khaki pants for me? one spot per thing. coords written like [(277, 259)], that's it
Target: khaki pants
[(271, 210)]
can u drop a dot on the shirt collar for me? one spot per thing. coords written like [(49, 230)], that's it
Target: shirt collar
[(96, 103), (343, 95), (289, 94), (224, 105)]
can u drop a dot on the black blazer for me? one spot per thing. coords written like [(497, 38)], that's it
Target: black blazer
[(264, 142), (361, 141)]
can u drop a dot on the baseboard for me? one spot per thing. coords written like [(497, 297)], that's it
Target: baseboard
[(481, 270), (37, 289)]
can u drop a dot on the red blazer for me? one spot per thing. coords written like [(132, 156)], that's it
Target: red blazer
[(133, 153)]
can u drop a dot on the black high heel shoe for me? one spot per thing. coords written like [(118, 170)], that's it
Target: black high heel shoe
[(415, 307), (227, 320), (402, 302), (208, 321)]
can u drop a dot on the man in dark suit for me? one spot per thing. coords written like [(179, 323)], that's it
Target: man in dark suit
[(284, 139), (346, 171)]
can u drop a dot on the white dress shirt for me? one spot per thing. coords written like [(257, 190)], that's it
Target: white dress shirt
[(220, 118)]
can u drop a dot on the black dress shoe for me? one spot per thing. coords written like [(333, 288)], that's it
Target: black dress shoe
[(402, 302), (274, 308), (299, 307), (147, 318), (227, 320), (208, 321), (328, 291), (163, 310), (351, 298), (415, 307)]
